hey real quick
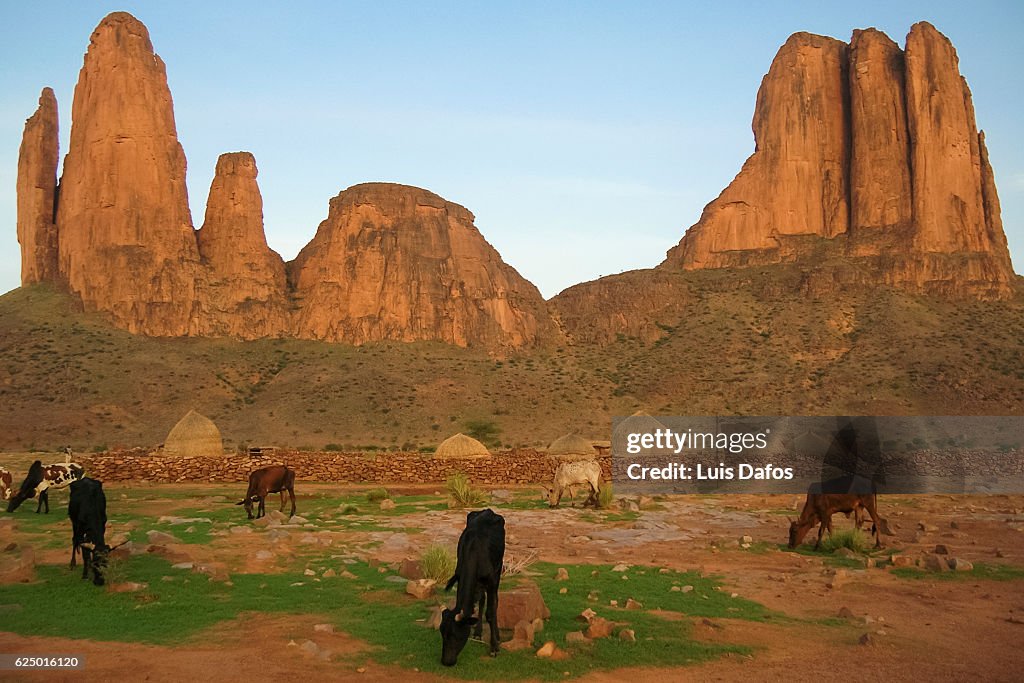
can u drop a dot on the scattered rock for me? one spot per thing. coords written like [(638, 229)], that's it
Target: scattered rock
[(576, 638), (620, 568), (324, 628), (547, 649), (308, 572), (410, 569), (599, 628), (845, 613), (158, 537), (837, 580), (421, 588), (628, 635), (586, 615), (524, 632), (182, 565), (935, 563), (295, 519), (523, 602), (902, 561), (241, 529), (563, 590), (633, 604), (845, 553), (329, 574), (941, 549), (387, 504), (928, 528), (866, 639), (264, 555), (959, 565), (747, 539), (675, 589), (562, 574)]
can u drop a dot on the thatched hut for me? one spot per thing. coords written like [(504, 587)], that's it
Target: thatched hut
[(572, 447), (194, 435), (461, 446)]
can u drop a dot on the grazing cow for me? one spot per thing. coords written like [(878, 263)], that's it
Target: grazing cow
[(481, 552), (571, 474), (6, 484), (88, 512), (40, 479), (272, 479), (819, 508)]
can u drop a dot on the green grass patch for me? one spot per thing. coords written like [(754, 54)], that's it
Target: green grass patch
[(982, 570), (378, 611)]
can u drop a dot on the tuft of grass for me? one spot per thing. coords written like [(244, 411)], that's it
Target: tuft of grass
[(606, 496), (349, 510), (376, 495), (438, 563), (461, 493), (854, 539)]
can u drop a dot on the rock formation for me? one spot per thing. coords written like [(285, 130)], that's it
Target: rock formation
[(126, 241), (246, 293), (37, 193), (400, 263), (865, 152)]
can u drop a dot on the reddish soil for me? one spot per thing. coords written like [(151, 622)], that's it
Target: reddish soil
[(926, 628)]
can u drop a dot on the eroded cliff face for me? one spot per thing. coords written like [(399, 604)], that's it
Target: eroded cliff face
[(400, 263), (246, 290), (125, 237), (37, 193), (874, 149)]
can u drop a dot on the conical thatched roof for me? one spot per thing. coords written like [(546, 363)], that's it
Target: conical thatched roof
[(461, 446), (571, 446), (194, 435)]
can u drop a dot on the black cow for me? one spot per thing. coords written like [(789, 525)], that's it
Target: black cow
[(272, 479), (481, 552), (88, 512), (40, 479)]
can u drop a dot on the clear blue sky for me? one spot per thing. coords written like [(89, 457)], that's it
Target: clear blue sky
[(586, 137)]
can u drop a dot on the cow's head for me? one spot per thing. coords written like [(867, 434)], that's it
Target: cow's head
[(797, 531), (454, 635), (551, 496), (18, 498), (248, 504)]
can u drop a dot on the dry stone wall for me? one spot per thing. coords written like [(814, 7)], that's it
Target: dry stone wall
[(518, 466)]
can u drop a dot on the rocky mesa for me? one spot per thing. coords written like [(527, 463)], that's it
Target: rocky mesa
[(868, 171), (868, 154)]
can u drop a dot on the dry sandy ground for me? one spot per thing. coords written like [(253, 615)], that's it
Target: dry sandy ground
[(953, 630)]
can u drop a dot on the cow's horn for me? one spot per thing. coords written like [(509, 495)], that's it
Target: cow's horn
[(88, 546), (458, 617)]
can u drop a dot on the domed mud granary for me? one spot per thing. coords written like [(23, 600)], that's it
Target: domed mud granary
[(571, 447), (194, 435), (461, 446)]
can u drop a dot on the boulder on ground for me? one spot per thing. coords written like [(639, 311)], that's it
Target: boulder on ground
[(421, 588), (522, 602), (410, 569)]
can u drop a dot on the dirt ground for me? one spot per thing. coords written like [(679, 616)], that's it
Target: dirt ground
[(953, 629)]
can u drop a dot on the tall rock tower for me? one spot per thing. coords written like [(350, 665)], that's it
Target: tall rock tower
[(125, 234)]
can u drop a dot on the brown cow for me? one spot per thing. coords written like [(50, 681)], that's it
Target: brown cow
[(272, 479), (819, 508)]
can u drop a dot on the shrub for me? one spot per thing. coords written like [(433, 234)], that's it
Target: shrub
[(438, 563), (349, 510), (333, 447), (606, 496), (484, 431), (461, 493), (854, 539), (376, 495)]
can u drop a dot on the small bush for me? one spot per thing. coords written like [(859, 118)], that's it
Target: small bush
[(606, 496), (437, 563), (349, 510), (461, 493), (376, 495), (333, 447), (854, 539)]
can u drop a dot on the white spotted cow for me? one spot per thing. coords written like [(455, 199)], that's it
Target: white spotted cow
[(40, 479)]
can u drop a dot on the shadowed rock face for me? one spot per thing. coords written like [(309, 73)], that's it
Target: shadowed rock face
[(125, 234), (397, 262), (891, 130), (37, 193), (246, 291)]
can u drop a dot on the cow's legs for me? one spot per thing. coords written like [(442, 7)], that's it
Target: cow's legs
[(821, 532), (86, 561), (291, 494), (282, 501), (261, 510), (46, 500), (492, 618), (74, 551), (876, 526), (478, 630)]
